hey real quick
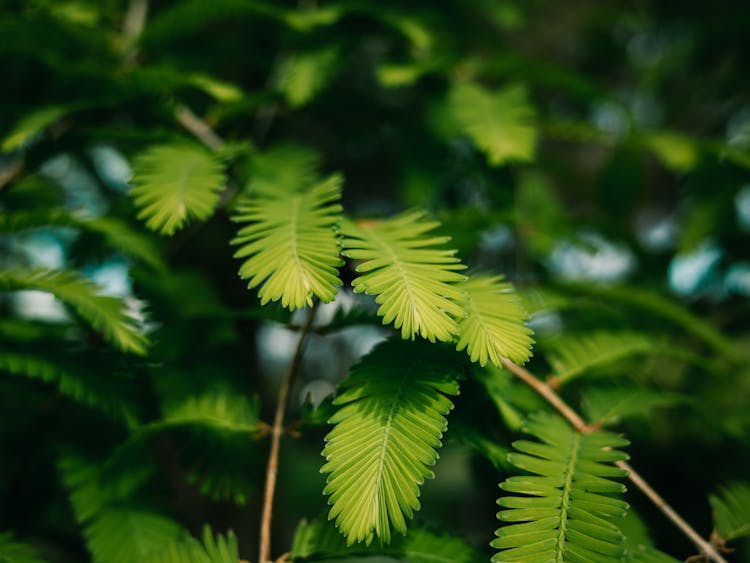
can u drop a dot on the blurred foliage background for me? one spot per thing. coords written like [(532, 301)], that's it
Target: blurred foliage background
[(595, 153)]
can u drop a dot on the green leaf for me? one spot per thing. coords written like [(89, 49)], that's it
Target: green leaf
[(129, 535), (116, 529), (291, 245), (31, 125), (499, 122), (286, 169), (573, 356), (13, 551), (386, 433), (213, 549), (175, 183), (410, 273), (117, 233), (303, 75), (101, 391), (219, 409), (567, 512), (104, 313), (318, 540), (493, 327), (731, 511), (609, 406)]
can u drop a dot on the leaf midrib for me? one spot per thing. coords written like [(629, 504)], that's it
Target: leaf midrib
[(383, 242), (565, 503), (386, 435)]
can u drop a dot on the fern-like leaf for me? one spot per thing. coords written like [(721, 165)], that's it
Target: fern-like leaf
[(291, 246), (319, 540), (104, 313), (175, 183), (116, 529), (118, 234), (493, 327), (500, 123), (572, 357), (77, 382), (386, 434), (14, 551), (609, 406), (411, 274), (566, 512), (302, 76), (731, 511), (214, 549)]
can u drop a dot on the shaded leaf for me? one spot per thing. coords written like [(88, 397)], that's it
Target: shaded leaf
[(500, 122), (174, 184), (493, 327)]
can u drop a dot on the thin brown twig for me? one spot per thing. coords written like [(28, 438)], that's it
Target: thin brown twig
[(277, 430), (705, 547), (199, 128)]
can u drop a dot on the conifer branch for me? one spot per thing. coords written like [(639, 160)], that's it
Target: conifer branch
[(543, 389), (277, 430)]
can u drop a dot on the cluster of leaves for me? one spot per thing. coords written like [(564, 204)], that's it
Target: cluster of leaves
[(134, 415)]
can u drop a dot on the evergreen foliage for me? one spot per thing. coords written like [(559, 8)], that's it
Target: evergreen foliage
[(568, 509), (386, 434), (242, 228)]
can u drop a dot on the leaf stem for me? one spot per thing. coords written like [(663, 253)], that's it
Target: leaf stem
[(543, 389), (277, 430)]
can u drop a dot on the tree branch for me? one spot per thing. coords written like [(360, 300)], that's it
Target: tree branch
[(277, 430), (705, 547)]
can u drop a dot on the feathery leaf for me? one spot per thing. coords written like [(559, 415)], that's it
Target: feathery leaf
[(566, 512), (493, 327), (175, 183), (319, 540), (96, 390), (214, 549), (116, 530), (291, 247), (104, 313), (572, 357), (13, 551), (117, 233), (412, 276), (731, 511), (301, 76), (608, 406), (388, 427), (281, 169), (500, 122)]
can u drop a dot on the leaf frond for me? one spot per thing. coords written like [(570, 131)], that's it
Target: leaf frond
[(104, 313), (118, 234), (290, 245), (116, 529), (14, 551), (573, 357), (731, 511), (412, 275), (77, 382), (568, 508), (386, 433), (500, 122), (215, 548), (175, 183), (319, 540), (609, 406), (493, 327)]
